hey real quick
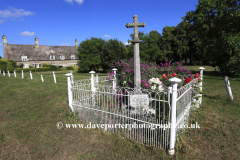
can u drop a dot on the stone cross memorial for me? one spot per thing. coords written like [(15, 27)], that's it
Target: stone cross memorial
[(136, 41)]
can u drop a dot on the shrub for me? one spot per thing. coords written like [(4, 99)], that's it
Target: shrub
[(60, 67), (7, 65), (149, 73), (42, 69), (74, 67), (63, 68), (3, 65), (69, 68), (52, 67)]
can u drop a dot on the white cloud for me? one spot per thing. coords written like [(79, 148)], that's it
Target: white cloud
[(126, 43), (0, 44), (79, 1), (106, 36), (2, 21), (71, 1), (65, 44), (26, 33), (13, 12)]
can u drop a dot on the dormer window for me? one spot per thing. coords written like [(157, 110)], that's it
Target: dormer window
[(52, 57), (24, 58), (72, 56), (62, 57)]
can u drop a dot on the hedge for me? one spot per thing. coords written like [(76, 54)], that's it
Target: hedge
[(7, 65), (42, 69)]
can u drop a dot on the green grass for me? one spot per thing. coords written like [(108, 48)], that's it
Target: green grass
[(30, 110)]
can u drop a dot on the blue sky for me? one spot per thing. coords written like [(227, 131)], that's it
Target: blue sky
[(60, 22)]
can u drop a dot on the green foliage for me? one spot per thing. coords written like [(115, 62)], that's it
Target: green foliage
[(60, 67), (150, 47), (114, 50), (69, 68), (216, 25), (42, 69), (90, 52), (3, 65), (51, 67), (7, 65)]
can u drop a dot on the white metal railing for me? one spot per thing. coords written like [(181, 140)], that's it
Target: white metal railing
[(98, 101)]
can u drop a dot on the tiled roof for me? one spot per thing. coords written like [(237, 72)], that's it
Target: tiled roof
[(43, 52)]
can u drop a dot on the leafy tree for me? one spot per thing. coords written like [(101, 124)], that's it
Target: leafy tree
[(149, 47), (169, 43), (113, 51), (216, 23), (90, 52)]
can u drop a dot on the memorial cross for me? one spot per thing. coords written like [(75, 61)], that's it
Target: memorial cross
[(136, 41)]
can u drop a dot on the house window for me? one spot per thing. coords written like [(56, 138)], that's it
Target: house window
[(52, 57), (72, 56), (26, 66), (62, 57), (36, 65), (24, 58)]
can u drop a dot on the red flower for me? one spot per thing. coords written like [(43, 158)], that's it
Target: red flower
[(187, 80), (164, 76), (174, 75)]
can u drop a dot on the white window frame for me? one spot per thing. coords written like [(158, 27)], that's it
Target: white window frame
[(25, 65), (24, 58), (72, 57), (36, 64), (52, 57), (62, 57)]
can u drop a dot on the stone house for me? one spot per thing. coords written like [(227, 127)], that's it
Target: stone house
[(37, 55)]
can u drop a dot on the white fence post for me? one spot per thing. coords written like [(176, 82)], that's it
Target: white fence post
[(92, 87), (54, 77), (3, 73), (8, 74), (42, 78), (201, 77), (71, 76), (174, 81), (115, 78), (70, 96), (22, 74), (15, 73), (31, 74), (229, 91)]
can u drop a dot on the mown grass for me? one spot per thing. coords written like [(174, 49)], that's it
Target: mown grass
[(30, 110)]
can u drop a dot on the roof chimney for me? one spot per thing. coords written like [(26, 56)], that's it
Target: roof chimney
[(4, 39), (5, 47), (76, 43), (36, 42)]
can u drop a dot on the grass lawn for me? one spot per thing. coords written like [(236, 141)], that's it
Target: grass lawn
[(30, 110)]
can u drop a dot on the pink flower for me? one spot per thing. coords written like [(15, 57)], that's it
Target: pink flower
[(146, 85)]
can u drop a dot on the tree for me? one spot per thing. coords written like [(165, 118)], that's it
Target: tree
[(113, 51), (169, 43), (149, 47), (90, 52), (217, 25)]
